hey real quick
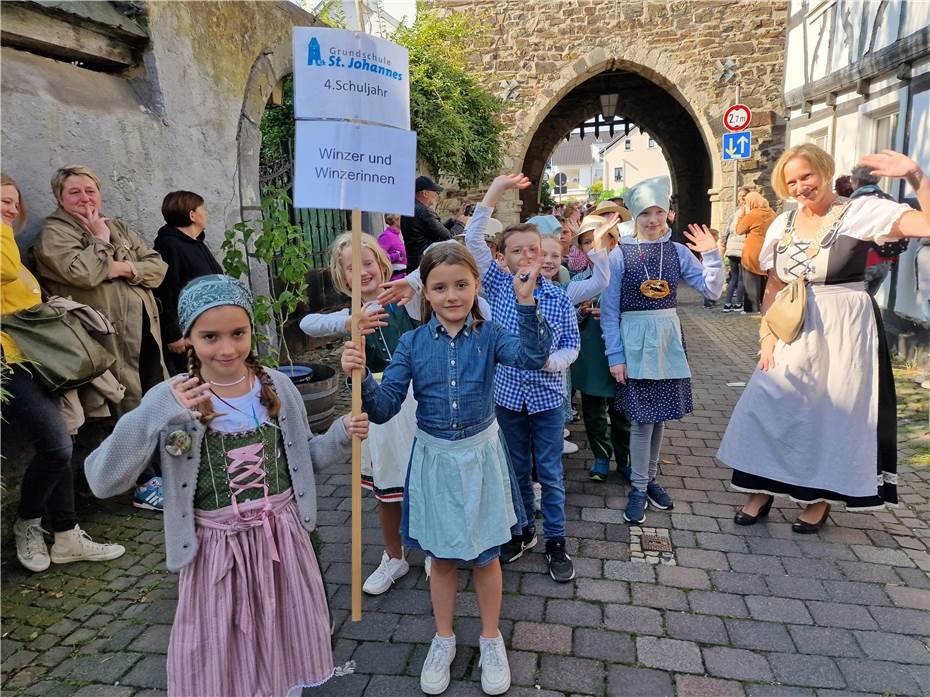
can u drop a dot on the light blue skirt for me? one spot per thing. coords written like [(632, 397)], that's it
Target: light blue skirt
[(653, 345), (458, 501)]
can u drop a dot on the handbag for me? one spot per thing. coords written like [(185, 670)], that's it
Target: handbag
[(62, 353), (785, 316)]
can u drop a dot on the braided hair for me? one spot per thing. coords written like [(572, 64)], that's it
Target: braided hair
[(268, 397)]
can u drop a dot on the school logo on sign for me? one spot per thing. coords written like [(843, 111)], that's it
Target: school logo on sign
[(351, 59)]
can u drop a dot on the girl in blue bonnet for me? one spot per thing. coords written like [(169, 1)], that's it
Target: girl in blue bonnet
[(460, 502), (240, 498), (645, 347)]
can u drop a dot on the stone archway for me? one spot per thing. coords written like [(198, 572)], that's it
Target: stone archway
[(657, 98)]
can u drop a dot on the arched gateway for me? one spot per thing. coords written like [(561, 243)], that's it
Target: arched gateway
[(553, 61)]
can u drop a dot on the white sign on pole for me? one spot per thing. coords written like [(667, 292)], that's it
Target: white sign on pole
[(341, 74), (349, 165)]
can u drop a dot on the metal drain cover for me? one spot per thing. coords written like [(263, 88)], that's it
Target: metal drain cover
[(655, 543), (651, 545)]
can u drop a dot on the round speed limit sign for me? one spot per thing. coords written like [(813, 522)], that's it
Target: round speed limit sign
[(737, 117)]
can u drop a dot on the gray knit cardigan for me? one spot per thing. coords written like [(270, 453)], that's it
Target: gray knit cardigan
[(114, 466)]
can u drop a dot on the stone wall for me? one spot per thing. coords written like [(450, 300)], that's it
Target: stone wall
[(661, 55), (186, 117)]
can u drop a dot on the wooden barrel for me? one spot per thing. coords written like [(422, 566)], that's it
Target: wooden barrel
[(318, 385)]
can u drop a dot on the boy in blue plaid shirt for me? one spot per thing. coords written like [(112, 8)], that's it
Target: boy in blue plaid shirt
[(529, 402)]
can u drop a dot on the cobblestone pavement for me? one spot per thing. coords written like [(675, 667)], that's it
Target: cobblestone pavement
[(757, 612)]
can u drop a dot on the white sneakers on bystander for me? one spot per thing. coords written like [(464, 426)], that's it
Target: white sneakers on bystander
[(30, 544), (388, 571), (75, 545)]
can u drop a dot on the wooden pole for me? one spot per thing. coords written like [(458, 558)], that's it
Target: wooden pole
[(357, 376)]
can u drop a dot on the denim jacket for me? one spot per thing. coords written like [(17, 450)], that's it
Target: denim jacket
[(453, 377)]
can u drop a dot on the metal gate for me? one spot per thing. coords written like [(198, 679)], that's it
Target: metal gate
[(320, 225)]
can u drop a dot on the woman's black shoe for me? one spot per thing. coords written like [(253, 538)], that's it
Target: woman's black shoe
[(743, 518), (805, 528)]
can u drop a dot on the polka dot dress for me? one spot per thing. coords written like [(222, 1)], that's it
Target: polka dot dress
[(651, 401)]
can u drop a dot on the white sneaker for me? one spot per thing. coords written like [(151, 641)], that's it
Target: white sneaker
[(388, 571), (76, 545), (566, 433), (427, 565), (495, 670), (434, 678), (537, 496), (30, 544), (568, 447)]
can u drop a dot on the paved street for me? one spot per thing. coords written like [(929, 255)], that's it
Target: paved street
[(756, 612)]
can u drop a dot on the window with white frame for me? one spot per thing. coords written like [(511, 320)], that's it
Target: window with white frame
[(618, 174), (819, 138), (884, 131)]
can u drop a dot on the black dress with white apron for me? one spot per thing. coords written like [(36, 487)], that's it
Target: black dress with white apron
[(821, 424)]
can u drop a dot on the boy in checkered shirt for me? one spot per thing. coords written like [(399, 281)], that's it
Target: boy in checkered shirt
[(529, 402)]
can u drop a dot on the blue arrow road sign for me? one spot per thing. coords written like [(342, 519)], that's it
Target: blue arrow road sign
[(737, 146)]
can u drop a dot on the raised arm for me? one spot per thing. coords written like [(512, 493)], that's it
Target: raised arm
[(580, 290), (72, 257), (889, 163), (706, 276), (610, 310)]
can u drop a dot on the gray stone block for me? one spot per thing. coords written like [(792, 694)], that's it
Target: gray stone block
[(841, 615), (701, 628), (150, 672), (697, 686), (713, 603), (381, 658), (702, 559), (669, 654), (856, 592), (812, 568), (637, 620), (698, 523), (824, 641), (392, 686), (763, 636), (809, 671), (721, 542), (613, 647), (778, 610), (793, 587), (651, 595), (638, 682), (882, 555), (878, 676), (548, 638), (902, 596), (901, 620), (755, 564), (602, 590), (737, 664), (629, 571), (574, 613), (733, 582), (683, 577), (883, 646), (571, 674), (869, 573)]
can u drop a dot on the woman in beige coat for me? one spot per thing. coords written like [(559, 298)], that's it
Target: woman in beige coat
[(101, 262)]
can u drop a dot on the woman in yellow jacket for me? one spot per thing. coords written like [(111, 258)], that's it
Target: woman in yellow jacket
[(47, 494)]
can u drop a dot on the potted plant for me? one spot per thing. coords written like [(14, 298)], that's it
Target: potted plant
[(282, 246)]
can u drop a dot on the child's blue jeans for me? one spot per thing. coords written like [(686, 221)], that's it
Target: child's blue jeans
[(538, 435)]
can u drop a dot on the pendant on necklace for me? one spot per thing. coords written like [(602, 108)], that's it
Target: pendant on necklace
[(812, 250), (655, 288), (785, 240)]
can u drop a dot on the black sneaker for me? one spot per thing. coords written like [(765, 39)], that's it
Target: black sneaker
[(560, 564), (513, 550)]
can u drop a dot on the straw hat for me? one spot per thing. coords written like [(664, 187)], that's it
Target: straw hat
[(607, 207), (592, 222), (495, 227)]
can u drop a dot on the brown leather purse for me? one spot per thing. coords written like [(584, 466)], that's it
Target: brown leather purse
[(785, 316)]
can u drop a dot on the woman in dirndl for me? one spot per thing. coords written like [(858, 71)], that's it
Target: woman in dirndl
[(817, 422), (645, 347)]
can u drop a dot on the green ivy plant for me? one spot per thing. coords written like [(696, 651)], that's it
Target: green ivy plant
[(456, 119), (282, 246)]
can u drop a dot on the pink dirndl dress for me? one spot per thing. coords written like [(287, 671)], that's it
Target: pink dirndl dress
[(252, 617)]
